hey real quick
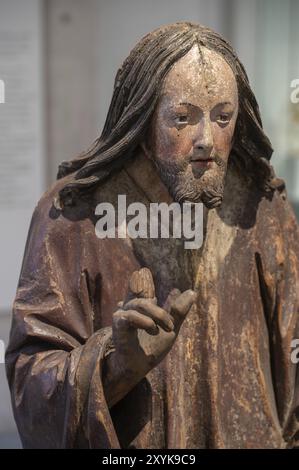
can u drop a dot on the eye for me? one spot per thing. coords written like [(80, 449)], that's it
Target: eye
[(181, 119), (223, 118)]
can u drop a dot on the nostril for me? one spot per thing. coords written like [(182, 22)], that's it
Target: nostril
[(202, 148)]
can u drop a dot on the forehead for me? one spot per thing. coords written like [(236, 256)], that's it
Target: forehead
[(201, 76)]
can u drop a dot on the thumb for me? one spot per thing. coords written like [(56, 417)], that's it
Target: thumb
[(141, 285)]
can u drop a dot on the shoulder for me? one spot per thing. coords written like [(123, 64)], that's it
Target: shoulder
[(277, 233), (50, 223), (72, 223), (276, 210)]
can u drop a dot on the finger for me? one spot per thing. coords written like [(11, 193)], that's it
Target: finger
[(173, 294), (141, 284), (182, 304), (132, 319), (146, 307), (123, 304)]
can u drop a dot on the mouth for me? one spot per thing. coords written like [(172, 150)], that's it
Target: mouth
[(201, 162)]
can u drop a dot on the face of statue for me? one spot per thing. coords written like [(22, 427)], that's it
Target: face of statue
[(191, 132)]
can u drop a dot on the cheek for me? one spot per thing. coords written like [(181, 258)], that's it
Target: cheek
[(171, 143), (223, 139)]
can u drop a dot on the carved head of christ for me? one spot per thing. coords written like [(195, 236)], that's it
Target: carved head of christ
[(191, 132)]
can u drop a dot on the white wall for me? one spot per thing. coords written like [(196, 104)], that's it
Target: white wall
[(22, 159)]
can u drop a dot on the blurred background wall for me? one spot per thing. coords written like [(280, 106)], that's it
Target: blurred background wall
[(58, 59)]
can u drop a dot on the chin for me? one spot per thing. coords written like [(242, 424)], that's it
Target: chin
[(207, 189), (210, 198), (184, 186)]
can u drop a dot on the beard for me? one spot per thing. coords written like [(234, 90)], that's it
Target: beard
[(205, 185)]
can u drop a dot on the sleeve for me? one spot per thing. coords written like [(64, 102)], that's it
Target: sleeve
[(280, 292), (54, 357)]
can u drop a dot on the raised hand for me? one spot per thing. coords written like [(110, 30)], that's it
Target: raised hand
[(144, 332)]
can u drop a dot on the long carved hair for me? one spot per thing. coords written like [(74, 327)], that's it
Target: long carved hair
[(136, 91)]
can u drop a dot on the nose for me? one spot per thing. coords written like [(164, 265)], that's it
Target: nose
[(203, 140)]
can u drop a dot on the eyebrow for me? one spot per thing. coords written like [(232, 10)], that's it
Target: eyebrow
[(186, 103)]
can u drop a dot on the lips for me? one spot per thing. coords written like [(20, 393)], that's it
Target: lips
[(201, 162), (202, 159)]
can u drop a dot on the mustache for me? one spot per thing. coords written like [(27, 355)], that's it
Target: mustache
[(172, 168), (183, 185), (199, 155), (184, 162)]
